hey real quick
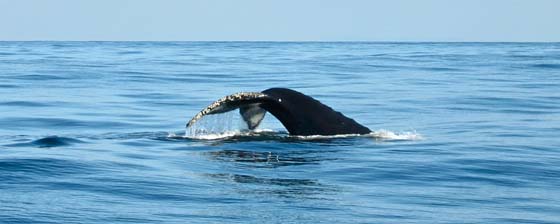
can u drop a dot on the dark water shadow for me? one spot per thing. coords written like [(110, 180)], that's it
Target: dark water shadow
[(270, 159), (259, 163), (255, 165), (273, 187), (250, 157), (272, 149)]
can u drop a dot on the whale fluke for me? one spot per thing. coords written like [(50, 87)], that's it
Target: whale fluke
[(300, 114), (229, 103)]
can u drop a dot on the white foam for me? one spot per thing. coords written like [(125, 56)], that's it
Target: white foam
[(389, 135)]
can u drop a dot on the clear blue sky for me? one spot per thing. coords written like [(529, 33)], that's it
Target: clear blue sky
[(293, 20)]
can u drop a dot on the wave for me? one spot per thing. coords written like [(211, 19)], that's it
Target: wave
[(546, 66), (48, 142)]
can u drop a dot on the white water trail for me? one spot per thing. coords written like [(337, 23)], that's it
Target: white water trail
[(390, 135)]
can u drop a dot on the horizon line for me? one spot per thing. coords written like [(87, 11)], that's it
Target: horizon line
[(292, 41)]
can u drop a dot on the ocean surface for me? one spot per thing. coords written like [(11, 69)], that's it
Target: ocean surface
[(94, 132)]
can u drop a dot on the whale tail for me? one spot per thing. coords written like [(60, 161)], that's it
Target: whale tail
[(300, 114)]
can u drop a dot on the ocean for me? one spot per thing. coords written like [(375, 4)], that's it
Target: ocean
[(94, 132)]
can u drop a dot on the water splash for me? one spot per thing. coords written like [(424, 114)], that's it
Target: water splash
[(217, 126)]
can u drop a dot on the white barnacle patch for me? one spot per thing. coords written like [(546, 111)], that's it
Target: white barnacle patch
[(227, 103)]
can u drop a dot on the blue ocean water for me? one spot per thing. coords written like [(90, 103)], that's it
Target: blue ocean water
[(90, 132)]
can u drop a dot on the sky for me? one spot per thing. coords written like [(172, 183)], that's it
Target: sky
[(281, 20)]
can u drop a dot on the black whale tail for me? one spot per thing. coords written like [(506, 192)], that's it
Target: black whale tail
[(300, 114)]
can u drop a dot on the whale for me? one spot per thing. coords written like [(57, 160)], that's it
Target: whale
[(300, 114)]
